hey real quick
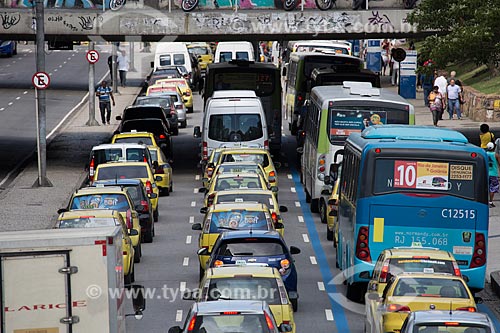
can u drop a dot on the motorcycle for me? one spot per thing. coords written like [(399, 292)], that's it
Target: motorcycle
[(325, 4)]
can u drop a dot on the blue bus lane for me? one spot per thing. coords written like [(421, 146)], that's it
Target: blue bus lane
[(338, 310)]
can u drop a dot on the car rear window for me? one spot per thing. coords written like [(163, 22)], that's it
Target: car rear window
[(106, 155), (421, 265), (88, 222), (123, 172), (146, 140), (450, 326), (239, 168), (237, 182), (254, 247), (430, 287), (231, 322), (265, 199), (136, 154), (114, 201), (152, 126), (135, 193), (261, 159), (163, 102), (244, 288), (238, 219), (165, 60)]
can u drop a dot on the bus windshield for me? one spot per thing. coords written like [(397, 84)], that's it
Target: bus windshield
[(446, 177), (347, 119)]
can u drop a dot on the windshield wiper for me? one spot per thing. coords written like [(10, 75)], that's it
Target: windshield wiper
[(228, 228)]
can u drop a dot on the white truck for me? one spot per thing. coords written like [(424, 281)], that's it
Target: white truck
[(64, 281)]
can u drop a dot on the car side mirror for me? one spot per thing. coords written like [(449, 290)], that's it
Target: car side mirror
[(202, 190), (203, 252), (478, 300), (294, 250), (62, 210), (133, 232), (285, 328), (365, 275), (196, 226), (279, 225), (158, 178), (197, 132), (283, 209), (203, 210), (274, 189), (118, 117), (152, 195), (175, 329)]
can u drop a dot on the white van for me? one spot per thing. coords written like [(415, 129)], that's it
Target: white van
[(172, 54), (232, 118), (227, 51)]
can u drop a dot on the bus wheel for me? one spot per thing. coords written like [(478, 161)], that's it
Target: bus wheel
[(315, 205)]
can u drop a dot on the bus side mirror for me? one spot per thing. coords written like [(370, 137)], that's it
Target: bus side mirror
[(334, 171), (197, 132), (152, 63), (327, 180)]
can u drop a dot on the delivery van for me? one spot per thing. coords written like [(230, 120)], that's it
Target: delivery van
[(170, 54), (227, 51)]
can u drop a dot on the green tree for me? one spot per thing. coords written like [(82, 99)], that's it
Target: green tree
[(465, 29)]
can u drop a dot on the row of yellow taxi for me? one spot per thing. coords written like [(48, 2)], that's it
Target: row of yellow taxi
[(240, 187), (123, 191)]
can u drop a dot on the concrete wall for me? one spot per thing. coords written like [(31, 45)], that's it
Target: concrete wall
[(481, 107)]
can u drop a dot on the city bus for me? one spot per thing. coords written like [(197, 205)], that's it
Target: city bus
[(263, 78), (298, 74), (332, 77), (404, 186), (333, 113)]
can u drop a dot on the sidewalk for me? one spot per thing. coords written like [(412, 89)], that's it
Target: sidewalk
[(25, 207)]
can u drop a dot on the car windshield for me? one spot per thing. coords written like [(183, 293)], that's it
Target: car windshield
[(237, 182), (261, 159), (452, 326), (238, 219), (159, 101), (232, 322), (122, 172), (423, 265), (114, 201), (146, 140), (254, 247), (430, 287), (244, 288), (235, 127), (265, 199)]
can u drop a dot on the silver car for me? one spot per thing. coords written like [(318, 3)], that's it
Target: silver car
[(441, 321), (179, 107)]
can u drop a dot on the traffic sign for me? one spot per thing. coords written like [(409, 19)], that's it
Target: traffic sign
[(92, 56), (398, 54), (41, 80)]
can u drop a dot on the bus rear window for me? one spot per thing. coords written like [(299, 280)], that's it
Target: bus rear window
[(439, 177)]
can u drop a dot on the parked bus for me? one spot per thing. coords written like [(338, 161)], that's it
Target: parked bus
[(405, 186), (333, 113), (298, 73), (263, 78)]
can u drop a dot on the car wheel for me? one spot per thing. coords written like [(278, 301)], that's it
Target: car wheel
[(128, 278), (184, 124), (148, 235), (137, 253), (334, 239), (190, 110), (202, 272), (329, 234), (166, 191), (308, 197), (155, 215), (295, 304), (322, 211), (153, 229), (315, 205), (132, 278), (15, 50)]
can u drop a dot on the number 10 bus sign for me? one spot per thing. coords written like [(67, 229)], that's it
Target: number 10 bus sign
[(421, 175)]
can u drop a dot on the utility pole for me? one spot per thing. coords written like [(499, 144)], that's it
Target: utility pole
[(41, 118), (92, 121), (131, 52), (113, 68)]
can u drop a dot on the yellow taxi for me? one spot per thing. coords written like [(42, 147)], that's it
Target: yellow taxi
[(257, 155), (231, 216), (409, 292), (162, 168), (418, 259), (179, 84), (94, 218), (236, 167), (132, 170), (145, 138), (252, 282), (210, 166), (264, 197), (234, 181), (332, 227), (114, 198), (203, 53)]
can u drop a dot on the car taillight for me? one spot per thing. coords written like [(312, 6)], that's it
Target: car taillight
[(210, 199), (145, 205), (362, 249), (266, 144), (479, 256), (91, 169), (467, 308), (124, 253), (218, 263), (456, 269), (398, 308), (144, 159), (272, 177), (149, 188), (129, 219), (384, 271), (204, 151), (162, 136), (188, 92), (274, 216), (300, 98), (269, 322), (321, 167), (190, 327)]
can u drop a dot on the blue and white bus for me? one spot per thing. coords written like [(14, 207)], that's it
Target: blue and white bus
[(412, 185)]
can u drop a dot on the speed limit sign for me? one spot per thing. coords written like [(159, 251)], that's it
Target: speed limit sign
[(92, 56)]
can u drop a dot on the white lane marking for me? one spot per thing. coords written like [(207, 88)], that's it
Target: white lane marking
[(195, 190), (306, 238), (18, 97), (197, 177), (30, 51), (193, 203), (313, 260), (1, 109), (329, 314), (50, 74), (300, 218), (188, 239), (55, 70), (25, 92), (293, 190), (69, 58), (182, 286), (73, 55), (65, 62), (297, 203), (185, 262), (178, 316), (13, 61), (321, 286), (191, 219), (10, 103), (60, 66), (289, 176)]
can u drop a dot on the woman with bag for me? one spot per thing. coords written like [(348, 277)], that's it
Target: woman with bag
[(436, 104)]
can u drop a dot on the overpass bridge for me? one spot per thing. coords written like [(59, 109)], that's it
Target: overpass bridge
[(205, 23)]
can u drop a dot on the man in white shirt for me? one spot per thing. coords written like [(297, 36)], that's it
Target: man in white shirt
[(123, 66), (442, 83), (453, 92)]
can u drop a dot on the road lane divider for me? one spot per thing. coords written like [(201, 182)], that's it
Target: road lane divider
[(185, 262), (182, 286), (195, 190), (293, 190), (300, 218), (329, 314), (297, 203), (178, 316), (193, 203), (305, 237), (321, 286), (313, 260), (188, 239), (289, 176), (191, 219)]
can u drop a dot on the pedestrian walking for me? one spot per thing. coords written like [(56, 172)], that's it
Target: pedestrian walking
[(426, 80), (454, 95), (123, 65), (395, 72), (435, 104), (110, 65), (485, 135), (105, 95), (493, 161)]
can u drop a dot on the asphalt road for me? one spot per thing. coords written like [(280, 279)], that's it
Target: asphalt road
[(69, 84)]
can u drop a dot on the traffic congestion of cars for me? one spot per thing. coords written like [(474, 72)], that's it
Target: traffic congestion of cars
[(247, 271)]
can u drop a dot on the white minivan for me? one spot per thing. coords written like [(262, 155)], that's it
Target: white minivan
[(233, 118), (227, 51), (172, 54)]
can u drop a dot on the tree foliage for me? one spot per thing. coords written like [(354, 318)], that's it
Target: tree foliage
[(465, 30)]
